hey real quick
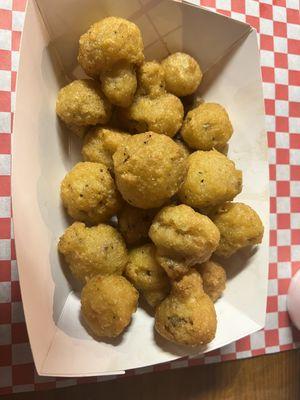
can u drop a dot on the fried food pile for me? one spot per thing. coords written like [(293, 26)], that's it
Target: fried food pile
[(159, 171)]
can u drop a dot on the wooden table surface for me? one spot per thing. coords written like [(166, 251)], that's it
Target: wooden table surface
[(274, 377)]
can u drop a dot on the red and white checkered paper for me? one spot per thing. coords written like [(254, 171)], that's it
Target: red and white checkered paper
[(278, 25)]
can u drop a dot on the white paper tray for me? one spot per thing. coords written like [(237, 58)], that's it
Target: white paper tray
[(42, 153)]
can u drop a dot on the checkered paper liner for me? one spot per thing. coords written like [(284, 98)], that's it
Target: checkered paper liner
[(278, 25)]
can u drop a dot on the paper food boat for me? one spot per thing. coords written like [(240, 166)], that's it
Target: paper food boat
[(42, 153)]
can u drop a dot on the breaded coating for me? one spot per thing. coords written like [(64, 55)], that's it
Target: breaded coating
[(147, 275), (92, 251), (107, 42), (119, 84), (79, 131), (89, 194), (162, 114), (82, 103), (107, 304), (239, 226), (213, 277), (113, 138), (134, 223), (185, 236), (149, 169), (187, 316), (182, 74), (183, 146), (174, 265), (151, 81), (100, 143), (207, 126), (211, 180)]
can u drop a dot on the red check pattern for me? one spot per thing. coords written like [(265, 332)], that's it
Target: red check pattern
[(278, 25)]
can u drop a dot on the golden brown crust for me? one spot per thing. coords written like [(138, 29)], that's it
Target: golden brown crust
[(174, 265), (119, 84), (134, 223), (92, 251), (181, 233), (107, 304), (213, 278), (239, 226), (89, 194), (162, 114), (211, 180), (184, 147), (107, 42), (82, 103), (146, 274), (182, 74), (187, 316), (78, 130), (206, 127), (151, 81), (149, 169), (100, 143)]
